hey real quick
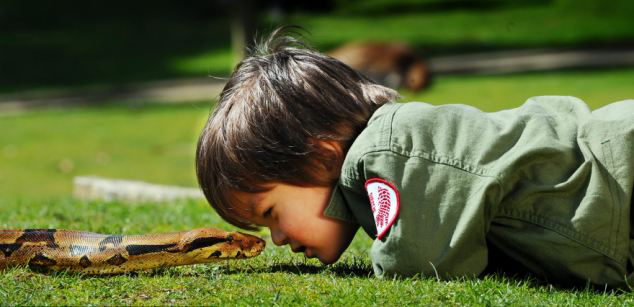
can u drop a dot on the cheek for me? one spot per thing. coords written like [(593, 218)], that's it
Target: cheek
[(294, 227), (298, 219), (337, 238), (309, 230), (327, 237)]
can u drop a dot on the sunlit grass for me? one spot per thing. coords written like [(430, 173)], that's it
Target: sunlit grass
[(493, 93), (277, 277), (41, 151)]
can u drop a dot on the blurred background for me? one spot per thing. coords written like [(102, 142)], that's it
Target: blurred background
[(121, 89)]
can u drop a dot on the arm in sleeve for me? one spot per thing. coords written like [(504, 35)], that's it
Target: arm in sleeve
[(445, 209)]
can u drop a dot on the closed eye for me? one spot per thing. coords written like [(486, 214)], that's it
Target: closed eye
[(267, 213)]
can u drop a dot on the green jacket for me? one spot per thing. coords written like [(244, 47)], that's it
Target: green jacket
[(546, 186)]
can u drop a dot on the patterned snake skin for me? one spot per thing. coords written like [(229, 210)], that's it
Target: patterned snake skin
[(46, 250)]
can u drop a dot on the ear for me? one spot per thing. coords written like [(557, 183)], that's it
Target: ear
[(333, 146), (335, 151)]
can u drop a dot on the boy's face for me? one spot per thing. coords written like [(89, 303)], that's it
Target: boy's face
[(294, 215)]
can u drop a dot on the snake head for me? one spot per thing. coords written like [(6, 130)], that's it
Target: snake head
[(209, 245)]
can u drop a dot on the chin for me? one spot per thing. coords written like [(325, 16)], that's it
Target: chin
[(329, 260)]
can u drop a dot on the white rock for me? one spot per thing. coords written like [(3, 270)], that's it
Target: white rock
[(98, 188)]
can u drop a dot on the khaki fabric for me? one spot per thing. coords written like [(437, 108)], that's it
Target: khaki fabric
[(547, 186)]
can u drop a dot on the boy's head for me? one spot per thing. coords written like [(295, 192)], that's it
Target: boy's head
[(279, 105)]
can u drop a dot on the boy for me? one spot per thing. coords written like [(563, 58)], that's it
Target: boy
[(304, 145)]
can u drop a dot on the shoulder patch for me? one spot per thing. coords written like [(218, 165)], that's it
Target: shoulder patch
[(385, 203)]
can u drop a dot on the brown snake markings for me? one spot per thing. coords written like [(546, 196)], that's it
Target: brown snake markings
[(91, 253)]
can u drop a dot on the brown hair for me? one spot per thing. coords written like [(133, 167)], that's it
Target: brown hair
[(277, 103)]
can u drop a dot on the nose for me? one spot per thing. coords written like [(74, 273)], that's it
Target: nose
[(278, 237)]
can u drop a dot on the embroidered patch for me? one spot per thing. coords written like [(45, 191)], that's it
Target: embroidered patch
[(385, 203)]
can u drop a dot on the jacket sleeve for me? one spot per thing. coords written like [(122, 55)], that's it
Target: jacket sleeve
[(445, 209)]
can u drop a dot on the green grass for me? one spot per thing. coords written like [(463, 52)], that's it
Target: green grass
[(545, 24), (492, 93), (277, 277), (41, 151)]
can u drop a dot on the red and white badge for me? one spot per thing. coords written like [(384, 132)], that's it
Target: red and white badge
[(385, 204)]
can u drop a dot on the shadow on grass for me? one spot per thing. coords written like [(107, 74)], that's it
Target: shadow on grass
[(355, 270), (344, 270), (339, 269), (538, 282)]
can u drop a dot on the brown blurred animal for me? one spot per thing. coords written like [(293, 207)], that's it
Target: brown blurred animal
[(391, 64)]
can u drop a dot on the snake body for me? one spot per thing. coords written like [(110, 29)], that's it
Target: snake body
[(45, 250)]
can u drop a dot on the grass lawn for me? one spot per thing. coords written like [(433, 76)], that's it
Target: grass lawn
[(529, 24), (41, 151), (277, 277)]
